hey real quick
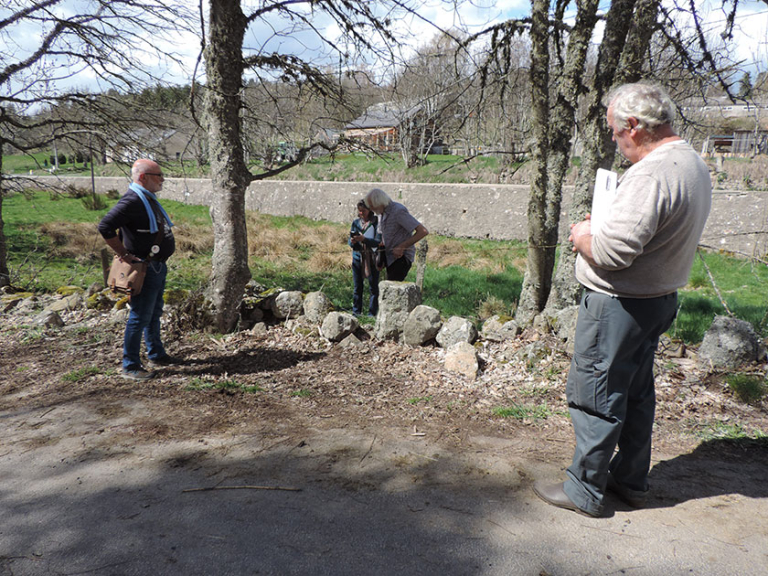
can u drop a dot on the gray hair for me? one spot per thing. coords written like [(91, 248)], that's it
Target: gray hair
[(648, 103), (377, 198)]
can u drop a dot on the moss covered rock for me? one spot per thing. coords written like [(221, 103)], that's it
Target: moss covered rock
[(175, 296), (69, 290)]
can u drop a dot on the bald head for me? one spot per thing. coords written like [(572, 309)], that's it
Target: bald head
[(148, 174)]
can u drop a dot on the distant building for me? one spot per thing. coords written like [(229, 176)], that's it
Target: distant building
[(160, 145), (378, 126), (381, 127), (327, 136), (741, 141), (738, 143), (723, 107)]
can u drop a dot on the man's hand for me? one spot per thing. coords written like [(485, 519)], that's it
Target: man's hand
[(128, 257), (581, 237), (121, 251), (418, 234)]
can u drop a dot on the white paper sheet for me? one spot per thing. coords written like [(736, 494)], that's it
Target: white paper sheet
[(605, 191)]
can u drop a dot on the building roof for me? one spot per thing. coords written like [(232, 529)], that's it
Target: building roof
[(383, 115)]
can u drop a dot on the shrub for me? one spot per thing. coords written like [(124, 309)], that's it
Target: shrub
[(749, 388), (94, 202), (61, 157), (491, 306), (73, 191)]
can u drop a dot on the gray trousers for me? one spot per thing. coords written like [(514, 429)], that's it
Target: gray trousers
[(610, 392)]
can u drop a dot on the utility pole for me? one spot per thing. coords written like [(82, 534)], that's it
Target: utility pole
[(90, 161)]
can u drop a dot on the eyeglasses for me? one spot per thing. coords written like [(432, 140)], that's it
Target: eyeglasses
[(160, 174)]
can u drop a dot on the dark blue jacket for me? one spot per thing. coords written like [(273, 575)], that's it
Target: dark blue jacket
[(130, 217)]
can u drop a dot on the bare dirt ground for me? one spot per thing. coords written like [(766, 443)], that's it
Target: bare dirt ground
[(319, 413)]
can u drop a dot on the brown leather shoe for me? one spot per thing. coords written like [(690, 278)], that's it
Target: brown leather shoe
[(555, 495)]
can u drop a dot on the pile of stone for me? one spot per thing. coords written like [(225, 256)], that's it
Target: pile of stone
[(402, 318)]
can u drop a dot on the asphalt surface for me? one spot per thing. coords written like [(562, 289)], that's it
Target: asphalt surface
[(78, 497)]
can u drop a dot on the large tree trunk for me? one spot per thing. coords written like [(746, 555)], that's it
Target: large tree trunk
[(4, 272), (629, 27), (538, 271), (552, 159), (229, 175)]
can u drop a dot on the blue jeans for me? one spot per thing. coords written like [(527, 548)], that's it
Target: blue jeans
[(611, 394), (359, 282), (144, 319)]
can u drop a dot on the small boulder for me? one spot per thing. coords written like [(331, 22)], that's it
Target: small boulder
[(729, 343), (317, 306), (288, 304), (396, 301), (455, 330), (351, 341), (49, 319), (338, 325), (71, 302), (259, 329), (498, 328), (422, 325), (462, 358)]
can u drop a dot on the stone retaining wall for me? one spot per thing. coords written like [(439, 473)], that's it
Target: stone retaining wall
[(737, 222)]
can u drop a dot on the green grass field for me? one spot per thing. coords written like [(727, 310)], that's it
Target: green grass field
[(341, 168), (52, 241)]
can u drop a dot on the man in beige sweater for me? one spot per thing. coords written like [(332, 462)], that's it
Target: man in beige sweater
[(631, 269)]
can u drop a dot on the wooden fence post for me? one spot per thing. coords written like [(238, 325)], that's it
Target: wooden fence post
[(421, 263), (106, 262)]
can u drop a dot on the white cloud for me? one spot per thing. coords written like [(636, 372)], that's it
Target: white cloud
[(751, 37), (750, 43)]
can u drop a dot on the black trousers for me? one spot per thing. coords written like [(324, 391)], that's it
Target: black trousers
[(398, 270)]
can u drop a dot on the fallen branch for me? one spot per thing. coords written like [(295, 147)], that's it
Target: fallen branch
[(369, 450), (284, 488), (714, 284)]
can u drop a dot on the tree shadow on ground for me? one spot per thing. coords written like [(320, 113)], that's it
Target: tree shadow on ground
[(248, 360), (100, 500), (714, 468), (340, 511)]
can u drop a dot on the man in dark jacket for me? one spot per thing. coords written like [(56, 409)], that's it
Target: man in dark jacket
[(144, 234)]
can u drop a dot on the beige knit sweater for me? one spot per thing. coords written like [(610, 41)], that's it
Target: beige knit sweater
[(647, 244)]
